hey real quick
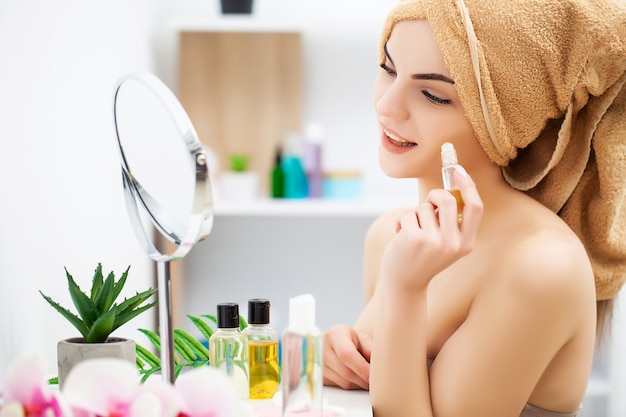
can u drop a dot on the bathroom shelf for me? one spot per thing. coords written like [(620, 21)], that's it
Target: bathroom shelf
[(231, 24), (306, 207)]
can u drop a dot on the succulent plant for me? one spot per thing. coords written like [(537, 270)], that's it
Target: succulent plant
[(98, 313)]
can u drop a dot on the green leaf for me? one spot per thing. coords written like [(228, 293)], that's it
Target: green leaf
[(136, 300), (198, 348), (148, 357), (155, 339), (177, 370), (147, 374), (139, 362), (120, 284), (84, 306), (96, 282), (242, 323), (127, 307), (198, 364), (152, 338), (185, 352), (211, 317), (204, 328), (122, 318), (104, 298), (69, 316), (102, 328)]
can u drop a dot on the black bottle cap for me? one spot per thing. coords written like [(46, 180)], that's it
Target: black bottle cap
[(227, 315), (258, 311)]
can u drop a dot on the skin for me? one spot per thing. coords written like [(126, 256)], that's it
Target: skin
[(503, 304)]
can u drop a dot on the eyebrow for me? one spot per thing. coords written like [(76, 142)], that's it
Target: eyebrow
[(427, 76)]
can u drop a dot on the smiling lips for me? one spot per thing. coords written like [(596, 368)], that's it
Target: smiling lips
[(395, 144)]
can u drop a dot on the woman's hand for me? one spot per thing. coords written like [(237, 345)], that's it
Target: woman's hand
[(346, 358), (430, 238)]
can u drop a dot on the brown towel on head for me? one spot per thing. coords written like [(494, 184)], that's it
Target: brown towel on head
[(552, 74)]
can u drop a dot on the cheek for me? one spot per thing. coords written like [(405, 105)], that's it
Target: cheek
[(408, 165), (380, 87)]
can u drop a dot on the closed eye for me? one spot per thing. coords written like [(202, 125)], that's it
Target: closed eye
[(435, 99), (388, 70)]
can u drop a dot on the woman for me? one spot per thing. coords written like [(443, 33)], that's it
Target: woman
[(495, 315)]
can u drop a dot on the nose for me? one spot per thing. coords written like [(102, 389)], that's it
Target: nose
[(390, 100)]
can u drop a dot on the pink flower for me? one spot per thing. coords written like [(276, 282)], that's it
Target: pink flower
[(111, 387), (26, 391), (207, 392)]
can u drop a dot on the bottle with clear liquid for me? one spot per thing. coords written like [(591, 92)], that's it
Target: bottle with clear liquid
[(262, 350), (301, 359), (228, 348), (449, 162)]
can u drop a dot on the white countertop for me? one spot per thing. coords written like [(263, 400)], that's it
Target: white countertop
[(348, 403), (336, 403)]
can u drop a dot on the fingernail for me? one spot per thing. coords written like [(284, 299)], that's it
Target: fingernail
[(462, 172)]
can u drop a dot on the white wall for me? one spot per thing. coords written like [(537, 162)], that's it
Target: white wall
[(60, 180)]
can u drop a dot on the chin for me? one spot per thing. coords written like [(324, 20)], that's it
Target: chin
[(392, 168)]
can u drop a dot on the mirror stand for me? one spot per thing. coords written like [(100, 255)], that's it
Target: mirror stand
[(165, 319)]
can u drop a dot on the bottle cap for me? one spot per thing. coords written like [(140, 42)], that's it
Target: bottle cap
[(258, 311), (448, 154), (302, 313), (227, 315)]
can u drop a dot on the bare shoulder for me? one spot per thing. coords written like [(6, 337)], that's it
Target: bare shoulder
[(550, 265)]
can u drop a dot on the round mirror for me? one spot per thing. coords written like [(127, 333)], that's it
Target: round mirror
[(166, 183), (164, 167)]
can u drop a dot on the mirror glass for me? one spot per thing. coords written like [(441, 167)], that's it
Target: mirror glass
[(165, 175), (164, 167)]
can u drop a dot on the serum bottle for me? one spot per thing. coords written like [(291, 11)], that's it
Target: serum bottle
[(301, 360), (262, 350), (449, 162), (228, 348)]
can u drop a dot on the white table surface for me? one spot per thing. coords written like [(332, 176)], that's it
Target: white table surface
[(342, 403), (348, 403)]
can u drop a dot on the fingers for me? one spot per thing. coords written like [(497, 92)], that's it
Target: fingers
[(346, 359), (347, 368), (473, 205), (447, 206), (365, 345)]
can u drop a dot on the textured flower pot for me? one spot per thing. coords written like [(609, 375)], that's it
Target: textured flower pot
[(74, 350)]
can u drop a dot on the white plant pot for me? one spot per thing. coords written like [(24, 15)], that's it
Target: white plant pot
[(239, 186), (74, 350)]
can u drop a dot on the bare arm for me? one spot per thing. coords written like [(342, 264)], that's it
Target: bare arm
[(347, 350)]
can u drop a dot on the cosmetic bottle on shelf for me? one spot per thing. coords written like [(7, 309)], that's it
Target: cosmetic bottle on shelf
[(228, 348), (295, 177), (301, 360), (314, 134), (262, 350), (277, 176)]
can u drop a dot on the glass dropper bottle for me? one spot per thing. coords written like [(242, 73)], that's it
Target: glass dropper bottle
[(449, 162)]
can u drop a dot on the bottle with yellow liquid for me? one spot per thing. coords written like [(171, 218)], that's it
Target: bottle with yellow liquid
[(449, 162), (262, 351)]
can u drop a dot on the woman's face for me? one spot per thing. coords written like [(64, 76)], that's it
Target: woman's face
[(418, 107)]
